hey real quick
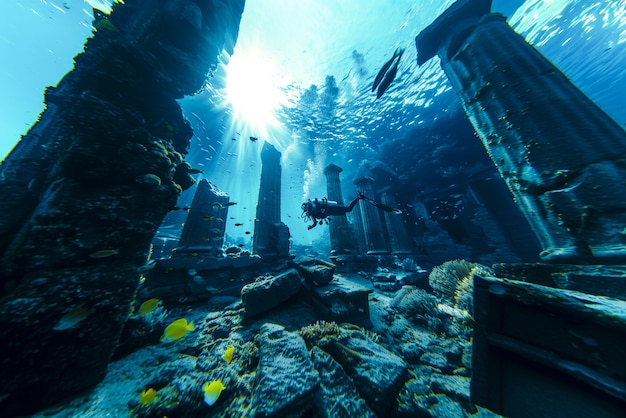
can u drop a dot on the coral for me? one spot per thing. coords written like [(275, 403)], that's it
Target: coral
[(321, 329), (415, 303), (408, 264), (454, 281)]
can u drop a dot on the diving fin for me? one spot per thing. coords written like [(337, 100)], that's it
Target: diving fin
[(382, 206), (386, 208)]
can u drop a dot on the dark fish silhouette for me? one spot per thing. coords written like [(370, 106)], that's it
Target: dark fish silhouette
[(385, 76), (254, 138)]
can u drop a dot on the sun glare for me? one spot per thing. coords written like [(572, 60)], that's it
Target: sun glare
[(251, 90)]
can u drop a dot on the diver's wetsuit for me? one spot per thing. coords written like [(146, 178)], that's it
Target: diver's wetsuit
[(317, 209)]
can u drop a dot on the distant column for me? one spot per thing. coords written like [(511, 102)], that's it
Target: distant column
[(560, 154), (205, 225), (339, 227), (372, 226), (271, 236), (398, 238)]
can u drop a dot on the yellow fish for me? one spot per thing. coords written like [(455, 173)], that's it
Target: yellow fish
[(147, 396), (103, 253), (148, 306), (228, 354), (212, 391), (176, 330), (70, 319)]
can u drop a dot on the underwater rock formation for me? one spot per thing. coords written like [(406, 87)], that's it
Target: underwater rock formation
[(271, 236), (286, 380), (83, 193), (559, 348), (340, 231), (561, 156), (266, 293), (205, 224)]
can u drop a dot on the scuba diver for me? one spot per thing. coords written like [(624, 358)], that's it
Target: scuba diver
[(319, 210), (386, 75)]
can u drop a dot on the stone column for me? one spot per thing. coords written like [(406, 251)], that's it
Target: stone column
[(340, 231), (372, 226), (271, 236), (561, 156), (84, 191), (398, 238), (206, 222)]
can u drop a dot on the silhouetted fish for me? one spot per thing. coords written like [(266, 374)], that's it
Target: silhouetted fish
[(385, 76), (384, 85)]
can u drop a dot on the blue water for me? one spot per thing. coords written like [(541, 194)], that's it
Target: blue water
[(303, 71)]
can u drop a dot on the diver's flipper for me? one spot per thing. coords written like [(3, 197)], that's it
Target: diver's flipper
[(386, 208), (382, 206), (398, 53)]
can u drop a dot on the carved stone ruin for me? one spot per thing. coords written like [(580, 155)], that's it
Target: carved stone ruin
[(271, 236), (559, 153), (340, 231)]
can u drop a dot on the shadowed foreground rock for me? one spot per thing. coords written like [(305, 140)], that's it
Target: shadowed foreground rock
[(85, 190)]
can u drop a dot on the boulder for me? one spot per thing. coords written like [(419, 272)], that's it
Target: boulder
[(342, 301), (286, 380), (270, 291), (315, 271), (337, 395), (377, 373)]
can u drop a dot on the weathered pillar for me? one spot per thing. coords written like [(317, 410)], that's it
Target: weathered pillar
[(205, 224), (561, 156), (83, 193), (372, 226), (340, 230), (271, 236), (398, 238)]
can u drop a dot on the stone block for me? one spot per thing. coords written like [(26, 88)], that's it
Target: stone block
[(337, 396), (342, 301), (315, 271), (377, 373), (269, 292), (286, 380)]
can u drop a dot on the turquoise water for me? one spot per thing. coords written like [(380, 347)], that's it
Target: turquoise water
[(300, 79), (284, 49)]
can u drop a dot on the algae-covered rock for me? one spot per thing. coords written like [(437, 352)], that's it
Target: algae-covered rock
[(286, 380), (377, 372), (337, 396), (269, 292)]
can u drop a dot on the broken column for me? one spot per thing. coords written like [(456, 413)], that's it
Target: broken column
[(561, 156), (398, 238), (372, 226), (205, 224), (84, 191), (271, 236), (340, 231)]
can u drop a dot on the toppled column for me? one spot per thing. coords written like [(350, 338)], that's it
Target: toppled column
[(271, 236), (398, 238), (340, 231), (372, 226), (205, 225), (84, 192), (560, 154)]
